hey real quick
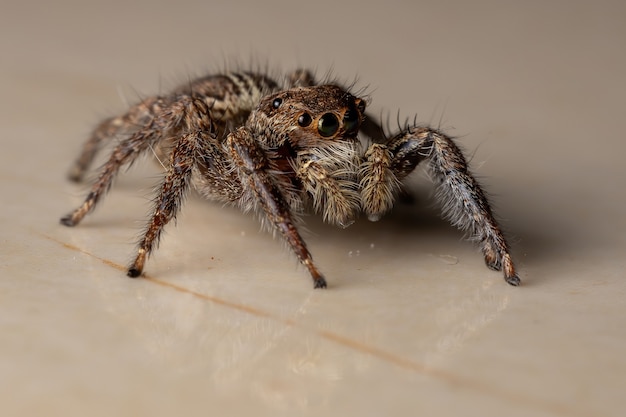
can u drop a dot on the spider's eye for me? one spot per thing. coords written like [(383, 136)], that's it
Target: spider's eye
[(277, 102), (328, 125), (304, 119), (351, 120)]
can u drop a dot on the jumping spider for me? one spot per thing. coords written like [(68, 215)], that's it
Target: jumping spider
[(276, 148)]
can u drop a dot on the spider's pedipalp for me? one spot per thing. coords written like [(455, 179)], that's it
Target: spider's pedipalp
[(379, 184)]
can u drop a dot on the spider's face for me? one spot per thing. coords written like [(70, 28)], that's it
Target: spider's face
[(310, 116)]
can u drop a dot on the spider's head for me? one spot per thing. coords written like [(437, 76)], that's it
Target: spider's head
[(310, 135), (310, 116)]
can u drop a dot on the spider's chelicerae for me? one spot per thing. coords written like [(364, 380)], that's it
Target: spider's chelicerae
[(276, 148)]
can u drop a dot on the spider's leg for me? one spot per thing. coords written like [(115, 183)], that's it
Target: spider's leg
[(257, 180), (183, 159), (463, 201), (167, 120), (123, 154), (108, 129)]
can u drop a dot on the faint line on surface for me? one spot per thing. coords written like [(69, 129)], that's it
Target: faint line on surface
[(390, 357)]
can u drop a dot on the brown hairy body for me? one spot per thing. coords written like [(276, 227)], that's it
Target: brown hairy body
[(277, 148)]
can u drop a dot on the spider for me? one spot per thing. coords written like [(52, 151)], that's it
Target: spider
[(278, 148)]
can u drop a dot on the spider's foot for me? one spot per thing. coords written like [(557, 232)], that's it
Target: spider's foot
[(494, 265), (510, 276), (77, 171), (133, 272), (492, 259), (75, 176), (513, 280), (68, 221), (319, 283), (137, 267), (318, 278)]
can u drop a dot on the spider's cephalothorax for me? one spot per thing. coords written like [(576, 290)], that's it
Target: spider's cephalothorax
[(278, 148)]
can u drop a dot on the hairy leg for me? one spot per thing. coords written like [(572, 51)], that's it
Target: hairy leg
[(171, 194), (260, 186), (137, 116), (463, 201), (189, 149), (123, 154), (169, 119)]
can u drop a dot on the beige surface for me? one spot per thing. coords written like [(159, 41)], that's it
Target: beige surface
[(412, 323)]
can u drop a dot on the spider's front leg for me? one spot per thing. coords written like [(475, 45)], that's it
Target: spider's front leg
[(463, 201), (261, 187)]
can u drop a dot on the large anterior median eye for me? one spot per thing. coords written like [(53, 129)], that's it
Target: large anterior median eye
[(328, 125)]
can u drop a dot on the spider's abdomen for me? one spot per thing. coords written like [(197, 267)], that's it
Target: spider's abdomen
[(231, 96)]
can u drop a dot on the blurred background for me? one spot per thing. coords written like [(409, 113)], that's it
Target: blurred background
[(412, 322)]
